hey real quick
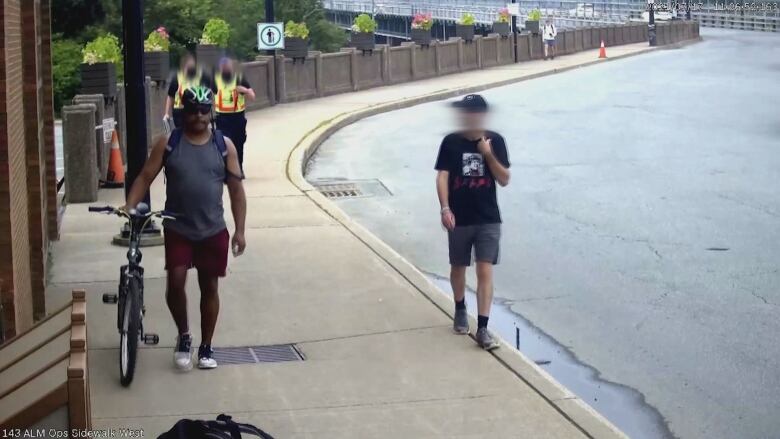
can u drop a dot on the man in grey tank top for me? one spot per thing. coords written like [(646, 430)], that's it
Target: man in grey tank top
[(196, 169)]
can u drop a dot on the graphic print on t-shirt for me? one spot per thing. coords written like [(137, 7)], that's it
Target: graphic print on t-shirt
[(473, 165)]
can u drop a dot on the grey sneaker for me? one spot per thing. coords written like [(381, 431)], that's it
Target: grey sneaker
[(485, 340), (460, 323)]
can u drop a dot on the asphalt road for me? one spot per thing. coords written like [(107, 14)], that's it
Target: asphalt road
[(641, 227)]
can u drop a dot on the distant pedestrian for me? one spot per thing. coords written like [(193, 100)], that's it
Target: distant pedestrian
[(188, 76), (232, 91), (549, 32), (470, 163)]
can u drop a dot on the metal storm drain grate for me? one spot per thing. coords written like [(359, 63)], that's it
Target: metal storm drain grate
[(350, 189), (340, 190), (257, 354)]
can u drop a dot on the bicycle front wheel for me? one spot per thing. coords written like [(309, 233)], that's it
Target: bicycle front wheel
[(130, 333)]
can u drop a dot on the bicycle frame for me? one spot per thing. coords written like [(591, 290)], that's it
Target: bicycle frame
[(130, 294)]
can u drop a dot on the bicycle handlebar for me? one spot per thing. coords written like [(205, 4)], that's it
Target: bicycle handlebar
[(105, 209), (113, 210)]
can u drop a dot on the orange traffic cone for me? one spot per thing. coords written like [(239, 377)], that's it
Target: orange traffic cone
[(602, 51), (116, 170)]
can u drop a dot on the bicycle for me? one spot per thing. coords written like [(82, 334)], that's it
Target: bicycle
[(130, 296)]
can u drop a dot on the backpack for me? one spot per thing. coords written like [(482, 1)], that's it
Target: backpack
[(175, 138), (223, 428), (219, 139)]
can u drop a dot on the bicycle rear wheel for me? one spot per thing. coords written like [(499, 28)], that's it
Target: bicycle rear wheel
[(130, 333)]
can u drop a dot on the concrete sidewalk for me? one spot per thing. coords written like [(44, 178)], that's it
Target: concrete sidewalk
[(381, 360)]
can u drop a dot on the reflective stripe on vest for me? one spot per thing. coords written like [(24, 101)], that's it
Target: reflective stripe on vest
[(229, 100), (184, 84)]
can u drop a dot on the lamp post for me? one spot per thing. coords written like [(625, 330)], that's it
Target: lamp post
[(651, 23), (135, 93), (269, 18), (514, 27)]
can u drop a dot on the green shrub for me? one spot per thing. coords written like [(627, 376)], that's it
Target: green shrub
[(534, 15), (326, 36), (66, 59), (296, 30), (467, 19), (157, 41), (104, 48), (217, 32), (364, 24)]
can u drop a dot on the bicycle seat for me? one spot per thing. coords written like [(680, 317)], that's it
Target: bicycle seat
[(142, 209)]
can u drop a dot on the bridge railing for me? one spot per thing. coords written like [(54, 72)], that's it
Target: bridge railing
[(726, 20), (485, 11)]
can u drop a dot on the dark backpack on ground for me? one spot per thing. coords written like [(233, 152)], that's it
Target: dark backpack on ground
[(223, 428)]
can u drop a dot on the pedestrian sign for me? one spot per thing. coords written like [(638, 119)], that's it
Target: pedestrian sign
[(270, 36)]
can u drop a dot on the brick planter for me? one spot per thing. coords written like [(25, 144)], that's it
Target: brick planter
[(421, 37), (465, 32), (532, 27), (98, 78), (363, 41), (295, 48), (208, 55), (157, 65), (501, 29)]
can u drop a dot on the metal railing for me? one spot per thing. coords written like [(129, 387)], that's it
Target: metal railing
[(486, 11), (569, 13)]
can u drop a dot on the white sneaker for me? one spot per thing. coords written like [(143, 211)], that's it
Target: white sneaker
[(182, 354), (206, 358)]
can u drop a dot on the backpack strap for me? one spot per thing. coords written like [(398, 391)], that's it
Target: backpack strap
[(173, 143), (219, 140)]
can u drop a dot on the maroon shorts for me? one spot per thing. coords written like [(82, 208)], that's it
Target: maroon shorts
[(208, 256)]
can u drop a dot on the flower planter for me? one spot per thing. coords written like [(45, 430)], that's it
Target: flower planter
[(421, 36), (501, 28), (532, 26), (363, 41), (208, 55), (99, 78), (465, 32), (157, 65), (295, 48)]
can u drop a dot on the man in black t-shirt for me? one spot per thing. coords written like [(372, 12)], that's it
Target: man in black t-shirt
[(469, 165)]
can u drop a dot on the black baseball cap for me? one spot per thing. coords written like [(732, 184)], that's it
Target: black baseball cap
[(472, 104)]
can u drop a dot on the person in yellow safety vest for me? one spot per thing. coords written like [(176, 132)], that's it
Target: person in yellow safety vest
[(189, 75), (232, 91)]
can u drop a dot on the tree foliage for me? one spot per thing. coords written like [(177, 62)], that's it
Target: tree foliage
[(66, 61)]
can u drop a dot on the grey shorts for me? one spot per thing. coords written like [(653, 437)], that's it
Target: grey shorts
[(483, 239)]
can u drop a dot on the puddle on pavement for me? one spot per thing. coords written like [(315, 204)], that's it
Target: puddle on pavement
[(623, 406)]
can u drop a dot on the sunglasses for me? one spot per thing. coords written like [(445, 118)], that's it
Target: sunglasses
[(200, 108)]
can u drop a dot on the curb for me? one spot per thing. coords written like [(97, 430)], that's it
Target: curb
[(579, 413)]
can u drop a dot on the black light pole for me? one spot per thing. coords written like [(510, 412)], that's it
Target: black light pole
[(687, 9), (651, 24), (269, 18), (135, 95), (514, 30)]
